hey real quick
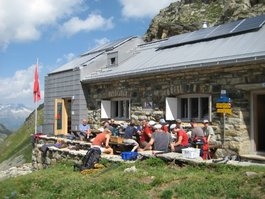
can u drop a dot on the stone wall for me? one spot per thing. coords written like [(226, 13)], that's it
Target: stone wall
[(211, 80)]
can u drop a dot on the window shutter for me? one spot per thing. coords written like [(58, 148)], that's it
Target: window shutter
[(171, 108), (105, 109)]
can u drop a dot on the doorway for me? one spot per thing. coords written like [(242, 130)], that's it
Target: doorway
[(259, 124), (62, 116)]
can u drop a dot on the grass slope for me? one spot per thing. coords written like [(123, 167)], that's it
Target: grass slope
[(152, 179), (19, 143)]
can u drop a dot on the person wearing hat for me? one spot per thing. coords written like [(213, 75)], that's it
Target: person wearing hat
[(102, 141), (208, 132), (162, 121), (173, 136), (160, 140)]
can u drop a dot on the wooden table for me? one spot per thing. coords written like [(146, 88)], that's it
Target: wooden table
[(120, 147)]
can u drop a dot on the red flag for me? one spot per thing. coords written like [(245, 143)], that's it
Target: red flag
[(36, 88)]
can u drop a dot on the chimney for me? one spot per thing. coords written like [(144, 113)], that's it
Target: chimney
[(205, 25)]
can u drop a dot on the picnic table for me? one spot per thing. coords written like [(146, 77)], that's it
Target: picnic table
[(118, 146)]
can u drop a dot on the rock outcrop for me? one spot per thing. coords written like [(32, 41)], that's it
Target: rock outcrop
[(190, 15)]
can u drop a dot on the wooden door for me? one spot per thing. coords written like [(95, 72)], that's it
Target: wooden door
[(60, 117)]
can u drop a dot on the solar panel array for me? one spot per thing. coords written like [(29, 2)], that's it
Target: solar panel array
[(236, 27)]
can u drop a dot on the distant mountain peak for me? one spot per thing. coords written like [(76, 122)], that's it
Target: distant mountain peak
[(12, 116)]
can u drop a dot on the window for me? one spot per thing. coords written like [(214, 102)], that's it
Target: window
[(113, 59), (117, 109), (189, 106)]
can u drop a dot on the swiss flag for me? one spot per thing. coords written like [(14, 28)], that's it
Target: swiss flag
[(36, 87)]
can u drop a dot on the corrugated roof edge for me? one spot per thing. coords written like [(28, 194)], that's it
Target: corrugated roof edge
[(104, 77), (109, 46)]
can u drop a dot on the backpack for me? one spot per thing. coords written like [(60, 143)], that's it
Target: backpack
[(89, 160), (201, 143)]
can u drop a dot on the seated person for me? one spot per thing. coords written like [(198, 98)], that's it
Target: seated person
[(145, 134), (160, 140), (182, 139), (196, 130), (209, 133), (102, 141), (129, 132), (84, 130), (164, 125), (114, 127)]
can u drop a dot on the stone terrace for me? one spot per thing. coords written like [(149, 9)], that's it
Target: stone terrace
[(75, 150)]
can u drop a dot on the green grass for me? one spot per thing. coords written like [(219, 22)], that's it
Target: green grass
[(19, 143), (153, 179)]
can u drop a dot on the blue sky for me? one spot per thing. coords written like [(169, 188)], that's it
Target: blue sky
[(56, 31)]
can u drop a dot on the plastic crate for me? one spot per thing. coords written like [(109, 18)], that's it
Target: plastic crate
[(191, 153), (129, 155)]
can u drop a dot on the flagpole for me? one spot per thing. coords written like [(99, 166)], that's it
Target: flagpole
[(36, 105)]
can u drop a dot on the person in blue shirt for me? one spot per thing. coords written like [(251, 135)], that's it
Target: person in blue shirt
[(84, 130), (130, 132)]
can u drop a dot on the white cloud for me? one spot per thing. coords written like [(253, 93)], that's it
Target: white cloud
[(102, 41), (143, 8), (19, 87), (22, 20), (92, 22), (66, 58)]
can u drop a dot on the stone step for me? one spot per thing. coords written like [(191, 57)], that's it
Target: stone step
[(253, 158)]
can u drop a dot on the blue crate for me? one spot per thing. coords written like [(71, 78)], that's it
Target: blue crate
[(129, 155)]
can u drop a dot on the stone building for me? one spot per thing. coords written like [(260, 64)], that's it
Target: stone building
[(179, 77)]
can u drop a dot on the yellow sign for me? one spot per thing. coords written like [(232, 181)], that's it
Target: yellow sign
[(223, 105), (224, 110)]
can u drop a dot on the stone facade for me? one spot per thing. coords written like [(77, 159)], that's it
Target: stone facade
[(211, 80)]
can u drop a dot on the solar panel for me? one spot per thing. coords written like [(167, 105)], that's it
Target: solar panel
[(174, 40), (224, 29), (250, 24), (235, 27), (198, 35)]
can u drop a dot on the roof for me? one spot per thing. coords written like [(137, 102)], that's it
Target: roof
[(85, 58), (77, 62), (229, 48)]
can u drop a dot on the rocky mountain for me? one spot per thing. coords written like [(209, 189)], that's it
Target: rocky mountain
[(4, 132), (190, 15), (12, 116)]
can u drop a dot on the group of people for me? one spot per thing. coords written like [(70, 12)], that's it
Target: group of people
[(149, 135)]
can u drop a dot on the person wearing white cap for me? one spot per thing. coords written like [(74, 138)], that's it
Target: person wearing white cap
[(208, 132), (160, 140), (164, 124), (151, 122)]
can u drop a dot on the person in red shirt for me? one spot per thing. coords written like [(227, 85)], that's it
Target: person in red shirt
[(164, 125), (146, 133), (182, 140), (101, 141)]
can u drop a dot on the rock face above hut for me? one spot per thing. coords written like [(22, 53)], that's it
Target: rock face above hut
[(190, 15)]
